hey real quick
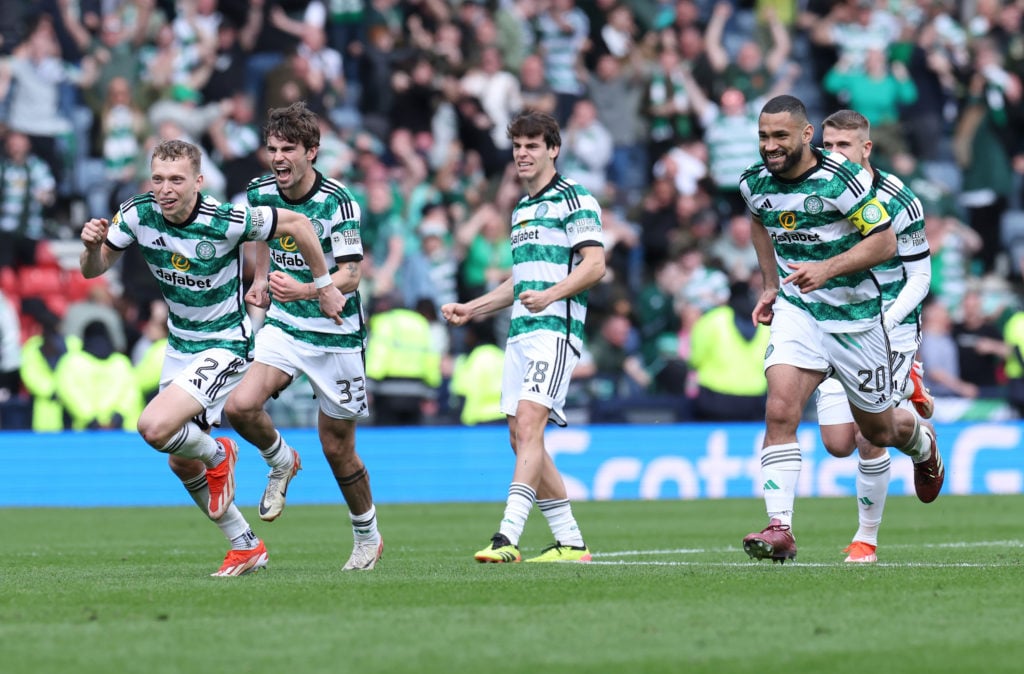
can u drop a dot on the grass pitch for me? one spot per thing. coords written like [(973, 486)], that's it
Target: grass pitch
[(670, 590)]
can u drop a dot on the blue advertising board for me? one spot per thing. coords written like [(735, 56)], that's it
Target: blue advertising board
[(428, 464)]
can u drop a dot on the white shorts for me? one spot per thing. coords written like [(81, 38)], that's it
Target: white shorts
[(338, 378), (859, 361), (538, 368), (209, 377), (832, 405)]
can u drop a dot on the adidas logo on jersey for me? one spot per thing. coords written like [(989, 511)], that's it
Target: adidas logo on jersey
[(160, 242)]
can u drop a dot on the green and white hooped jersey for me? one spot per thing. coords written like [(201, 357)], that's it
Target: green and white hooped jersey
[(911, 244), (815, 217), (198, 265), (335, 214), (548, 231)]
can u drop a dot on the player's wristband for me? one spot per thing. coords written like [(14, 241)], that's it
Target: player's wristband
[(322, 281)]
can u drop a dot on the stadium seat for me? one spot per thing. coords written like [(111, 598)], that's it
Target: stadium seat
[(46, 256), (78, 287), (39, 281), (9, 282)]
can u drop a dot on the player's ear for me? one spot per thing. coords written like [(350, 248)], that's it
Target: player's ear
[(808, 133)]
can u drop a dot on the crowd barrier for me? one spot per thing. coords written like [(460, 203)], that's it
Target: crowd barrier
[(427, 464)]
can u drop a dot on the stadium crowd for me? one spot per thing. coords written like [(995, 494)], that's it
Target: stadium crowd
[(658, 102)]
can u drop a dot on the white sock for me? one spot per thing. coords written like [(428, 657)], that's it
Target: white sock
[(780, 470), (364, 527), (920, 446), (278, 455), (872, 486), (558, 513), (232, 524), (190, 442), (521, 498)]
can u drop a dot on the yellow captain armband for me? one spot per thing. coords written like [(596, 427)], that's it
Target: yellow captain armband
[(869, 217)]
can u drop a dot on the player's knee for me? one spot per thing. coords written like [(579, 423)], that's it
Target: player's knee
[(154, 431), (781, 415)]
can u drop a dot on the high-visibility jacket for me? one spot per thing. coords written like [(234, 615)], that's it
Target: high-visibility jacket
[(40, 380), (724, 360), (401, 347), (477, 378)]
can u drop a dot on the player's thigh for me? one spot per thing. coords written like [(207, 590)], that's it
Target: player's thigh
[(261, 381), (338, 379), (862, 364), (538, 368), (208, 378)]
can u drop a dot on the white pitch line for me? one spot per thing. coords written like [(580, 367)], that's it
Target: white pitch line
[(752, 563)]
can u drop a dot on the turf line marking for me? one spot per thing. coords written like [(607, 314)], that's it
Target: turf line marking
[(751, 564), (697, 551)]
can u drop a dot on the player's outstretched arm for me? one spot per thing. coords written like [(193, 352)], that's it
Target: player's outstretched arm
[(458, 313), (298, 226)]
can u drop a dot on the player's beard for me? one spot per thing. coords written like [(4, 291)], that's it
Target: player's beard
[(791, 159)]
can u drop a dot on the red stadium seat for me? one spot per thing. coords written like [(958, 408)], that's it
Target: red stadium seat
[(38, 281), (9, 282), (78, 287)]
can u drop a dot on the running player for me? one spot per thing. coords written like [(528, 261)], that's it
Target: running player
[(193, 246), (904, 280), (818, 229), (296, 339)]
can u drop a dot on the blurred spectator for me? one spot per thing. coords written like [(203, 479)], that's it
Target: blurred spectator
[(123, 126), (562, 33), (402, 363), (26, 187), (986, 134), (853, 27), (952, 244), (751, 72), (669, 109), (658, 221), (979, 345), (227, 72), (40, 356), (617, 93), (878, 90), (281, 24), (148, 352), (727, 354), (616, 354), (383, 231), (378, 61), (325, 75), (346, 32), (730, 135), (98, 306), (476, 378), (686, 165), (534, 89), (97, 384), (733, 250), (587, 147), (1013, 337), (31, 81), (123, 34), (488, 258), (431, 269), (498, 93), (10, 351), (237, 143), (415, 99), (938, 352), (703, 286)]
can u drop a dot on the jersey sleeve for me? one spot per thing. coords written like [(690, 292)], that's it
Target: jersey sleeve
[(583, 224), (121, 233), (346, 239), (260, 222)]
